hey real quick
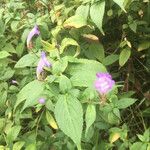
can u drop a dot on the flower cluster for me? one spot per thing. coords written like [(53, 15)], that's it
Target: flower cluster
[(104, 83)]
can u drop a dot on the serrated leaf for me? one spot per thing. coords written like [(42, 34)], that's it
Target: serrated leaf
[(84, 72), (4, 54), (76, 21), (31, 92), (97, 13), (51, 120), (69, 116), (125, 102), (90, 116), (27, 60), (124, 56), (120, 3), (64, 84), (67, 42)]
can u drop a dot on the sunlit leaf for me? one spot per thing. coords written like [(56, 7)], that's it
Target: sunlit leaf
[(67, 42), (51, 120), (76, 21), (97, 13), (120, 3), (69, 116), (114, 137), (90, 116), (4, 54)]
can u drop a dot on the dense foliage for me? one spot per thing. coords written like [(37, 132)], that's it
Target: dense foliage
[(50, 54)]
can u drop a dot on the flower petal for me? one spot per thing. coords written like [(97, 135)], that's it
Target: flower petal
[(34, 31)]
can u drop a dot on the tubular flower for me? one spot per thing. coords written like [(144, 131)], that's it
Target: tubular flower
[(43, 62), (104, 83), (41, 100), (34, 31)]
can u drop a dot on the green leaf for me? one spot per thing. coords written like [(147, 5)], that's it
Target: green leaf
[(133, 26), (14, 26), (120, 3), (47, 46), (112, 118), (2, 27), (84, 72), (69, 116), (31, 92), (67, 42), (114, 137), (141, 137), (9, 48), (95, 51), (124, 56), (18, 145), (136, 146), (51, 120), (125, 102), (64, 84), (27, 60), (116, 112), (59, 66), (24, 35), (6, 74), (13, 133), (4, 54), (97, 13), (147, 135), (2, 124), (90, 116), (76, 21), (20, 49), (144, 45), (1, 12), (31, 147), (110, 59), (83, 10)]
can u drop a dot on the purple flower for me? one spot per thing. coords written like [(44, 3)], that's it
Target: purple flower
[(43, 62), (34, 31), (104, 83), (42, 100)]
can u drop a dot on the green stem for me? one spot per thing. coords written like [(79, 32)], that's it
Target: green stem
[(79, 147)]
